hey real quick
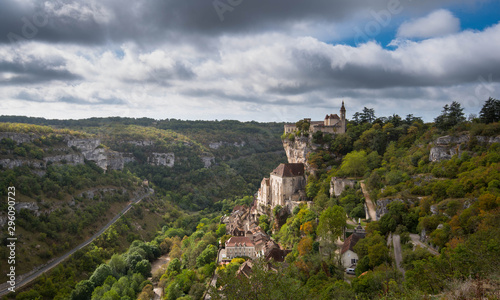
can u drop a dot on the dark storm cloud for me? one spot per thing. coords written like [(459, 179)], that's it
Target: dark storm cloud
[(93, 22), (34, 72)]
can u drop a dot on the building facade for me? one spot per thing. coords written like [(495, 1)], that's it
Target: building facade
[(332, 124), (286, 183), (239, 246)]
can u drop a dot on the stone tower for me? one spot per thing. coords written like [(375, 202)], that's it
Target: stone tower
[(342, 118)]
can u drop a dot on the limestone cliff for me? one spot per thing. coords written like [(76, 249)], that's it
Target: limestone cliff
[(298, 150), (93, 151), (162, 159), (446, 146), (76, 151)]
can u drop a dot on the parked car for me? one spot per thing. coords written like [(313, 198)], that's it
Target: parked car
[(350, 271)]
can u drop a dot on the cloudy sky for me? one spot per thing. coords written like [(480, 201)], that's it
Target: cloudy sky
[(274, 60)]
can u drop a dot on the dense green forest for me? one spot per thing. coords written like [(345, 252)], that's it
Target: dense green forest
[(74, 200), (454, 202)]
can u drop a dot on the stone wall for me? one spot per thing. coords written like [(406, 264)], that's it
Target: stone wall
[(338, 185)]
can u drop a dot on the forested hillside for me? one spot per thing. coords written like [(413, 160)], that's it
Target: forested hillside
[(439, 181), (435, 187), (63, 197)]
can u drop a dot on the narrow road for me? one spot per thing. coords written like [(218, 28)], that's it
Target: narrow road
[(19, 284), (372, 213), (398, 257), (415, 239)]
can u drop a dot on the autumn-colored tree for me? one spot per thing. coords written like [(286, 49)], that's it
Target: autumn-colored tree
[(305, 246), (307, 228)]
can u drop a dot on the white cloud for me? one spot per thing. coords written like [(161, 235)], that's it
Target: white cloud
[(438, 23), (255, 77)]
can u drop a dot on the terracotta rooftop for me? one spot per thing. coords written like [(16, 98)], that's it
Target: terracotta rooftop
[(289, 170), (265, 181), (350, 242), (239, 241)]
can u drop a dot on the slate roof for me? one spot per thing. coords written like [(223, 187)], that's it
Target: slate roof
[(289, 170), (332, 116)]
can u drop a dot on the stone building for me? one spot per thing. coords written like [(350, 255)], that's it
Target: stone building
[(285, 184), (238, 246), (332, 124)]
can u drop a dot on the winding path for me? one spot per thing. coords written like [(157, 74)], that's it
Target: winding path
[(398, 257), (19, 284), (372, 213)]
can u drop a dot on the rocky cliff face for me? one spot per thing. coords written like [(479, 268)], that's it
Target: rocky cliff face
[(162, 159), (298, 150), (89, 149), (92, 150), (447, 146)]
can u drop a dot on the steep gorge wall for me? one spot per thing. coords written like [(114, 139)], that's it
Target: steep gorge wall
[(90, 149)]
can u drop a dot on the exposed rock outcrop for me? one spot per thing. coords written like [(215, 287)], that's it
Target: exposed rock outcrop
[(382, 206), (446, 147), (208, 159), (217, 145), (73, 159), (298, 149), (162, 159), (18, 137), (90, 149)]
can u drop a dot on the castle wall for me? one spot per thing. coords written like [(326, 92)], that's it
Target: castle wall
[(290, 128), (285, 189)]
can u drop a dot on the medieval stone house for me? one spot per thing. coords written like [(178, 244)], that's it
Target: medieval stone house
[(285, 184)]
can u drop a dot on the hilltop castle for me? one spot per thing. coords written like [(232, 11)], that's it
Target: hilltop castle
[(332, 124)]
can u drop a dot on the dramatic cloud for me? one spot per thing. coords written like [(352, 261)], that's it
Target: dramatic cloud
[(438, 23), (261, 60)]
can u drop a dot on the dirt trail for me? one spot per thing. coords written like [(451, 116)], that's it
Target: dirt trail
[(157, 264), (371, 207)]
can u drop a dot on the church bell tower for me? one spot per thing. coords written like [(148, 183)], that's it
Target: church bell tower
[(342, 117)]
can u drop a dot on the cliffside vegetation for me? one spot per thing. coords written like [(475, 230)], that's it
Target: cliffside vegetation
[(65, 201), (453, 204)]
